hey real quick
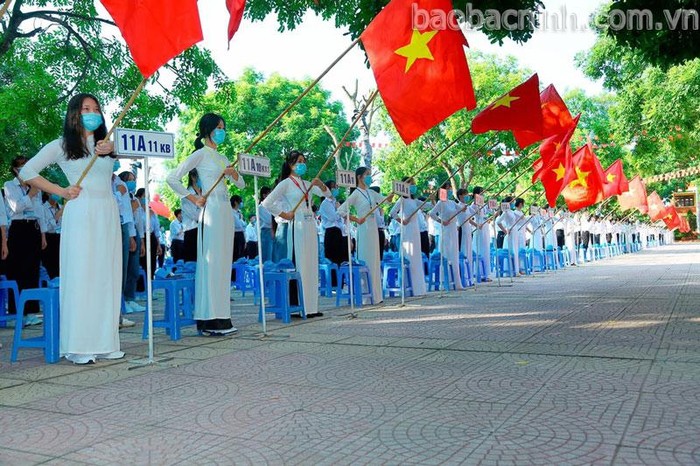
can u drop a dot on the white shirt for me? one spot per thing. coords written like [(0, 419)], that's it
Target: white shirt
[(176, 230), (124, 203), (52, 225), (22, 207), (251, 233), (190, 212), (3, 213), (238, 223), (264, 217), (329, 215)]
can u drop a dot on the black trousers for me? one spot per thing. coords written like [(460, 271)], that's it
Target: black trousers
[(382, 243), (23, 260), (176, 249), (499, 240), (154, 248), (425, 243), (335, 246), (50, 255), (585, 239), (189, 247), (561, 240), (238, 250)]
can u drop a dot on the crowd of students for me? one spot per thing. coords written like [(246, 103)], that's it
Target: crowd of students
[(102, 230)]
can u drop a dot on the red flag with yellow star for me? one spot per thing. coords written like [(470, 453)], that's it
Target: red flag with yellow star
[(672, 219), (586, 187), (635, 197), (156, 30), (422, 74), (550, 149), (518, 110), (657, 209), (685, 225), (615, 181), (556, 119)]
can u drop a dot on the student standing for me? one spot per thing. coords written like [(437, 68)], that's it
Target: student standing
[(363, 199), (297, 235), (401, 212), (445, 214), (212, 309), (177, 236), (190, 217), (52, 219), (90, 258)]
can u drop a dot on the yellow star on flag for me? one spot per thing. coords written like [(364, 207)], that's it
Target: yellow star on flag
[(611, 177), (560, 171), (417, 48), (582, 179), (504, 101)]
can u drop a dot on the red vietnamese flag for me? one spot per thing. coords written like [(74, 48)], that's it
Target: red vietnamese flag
[(672, 220), (586, 188), (156, 30), (556, 118), (635, 197), (615, 181), (685, 225), (519, 109), (422, 75), (657, 209), (551, 149), (235, 10), (557, 174)]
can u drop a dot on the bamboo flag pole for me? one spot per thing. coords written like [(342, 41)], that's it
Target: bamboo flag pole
[(499, 192), (337, 147), (4, 8), (117, 122), (287, 110), (429, 162)]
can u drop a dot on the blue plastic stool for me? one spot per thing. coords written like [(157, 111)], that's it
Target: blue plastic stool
[(277, 289), (550, 259), (436, 278), (49, 340), (480, 272), (359, 272), (506, 262), (391, 278), (325, 277), (44, 278), (524, 259), (5, 286), (179, 306), (465, 271), (538, 260)]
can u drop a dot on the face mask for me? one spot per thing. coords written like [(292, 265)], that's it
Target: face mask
[(414, 189), (198, 184), (55, 197), (512, 205), (143, 202), (335, 192), (368, 180), (240, 206), (116, 166), (467, 199), (300, 169), (131, 186), (91, 121), (218, 136)]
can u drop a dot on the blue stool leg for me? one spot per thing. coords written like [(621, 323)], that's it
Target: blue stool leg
[(19, 323), (51, 330)]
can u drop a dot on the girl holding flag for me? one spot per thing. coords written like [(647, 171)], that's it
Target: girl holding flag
[(212, 309), (298, 242), (405, 211), (445, 213), (363, 200)]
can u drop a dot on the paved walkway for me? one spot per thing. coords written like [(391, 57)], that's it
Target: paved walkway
[(592, 365)]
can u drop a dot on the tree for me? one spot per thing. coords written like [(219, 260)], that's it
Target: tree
[(357, 14), (50, 50), (248, 105)]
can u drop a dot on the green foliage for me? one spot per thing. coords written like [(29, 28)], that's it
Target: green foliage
[(357, 14), (248, 106), (51, 50)]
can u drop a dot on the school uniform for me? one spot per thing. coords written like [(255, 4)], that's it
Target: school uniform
[(301, 236), (24, 239), (266, 236), (448, 243), (177, 239), (411, 245), (190, 223), (50, 255), (335, 246), (212, 307)]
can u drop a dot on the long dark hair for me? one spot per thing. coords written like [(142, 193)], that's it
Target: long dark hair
[(73, 143), (192, 177), (360, 171), (289, 160), (17, 162), (207, 124)]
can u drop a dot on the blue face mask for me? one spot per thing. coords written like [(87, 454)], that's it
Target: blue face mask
[(91, 121), (467, 199), (198, 184), (335, 192), (218, 136), (512, 205), (131, 186), (368, 180), (240, 206), (55, 197), (300, 169), (116, 166), (414, 189), (143, 202)]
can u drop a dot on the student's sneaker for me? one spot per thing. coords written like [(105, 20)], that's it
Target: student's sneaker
[(125, 323), (112, 355), (81, 358), (220, 333), (134, 306)]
